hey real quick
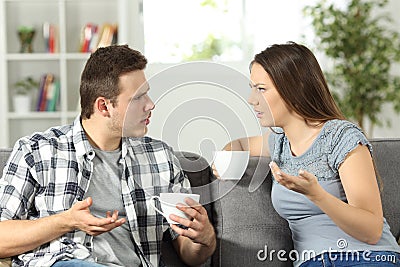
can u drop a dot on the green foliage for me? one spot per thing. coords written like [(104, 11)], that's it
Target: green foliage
[(25, 85), (26, 29), (221, 5), (363, 48), (207, 49)]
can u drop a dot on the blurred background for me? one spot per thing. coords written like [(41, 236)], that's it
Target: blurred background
[(200, 107)]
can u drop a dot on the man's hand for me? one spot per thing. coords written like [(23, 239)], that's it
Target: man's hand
[(199, 229), (79, 217)]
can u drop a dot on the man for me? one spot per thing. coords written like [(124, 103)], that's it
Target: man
[(79, 195)]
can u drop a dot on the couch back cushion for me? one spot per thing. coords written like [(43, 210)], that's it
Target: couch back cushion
[(387, 159), (4, 154), (247, 226)]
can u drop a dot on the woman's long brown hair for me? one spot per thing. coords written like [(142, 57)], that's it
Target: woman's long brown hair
[(300, 82), (296, 74)]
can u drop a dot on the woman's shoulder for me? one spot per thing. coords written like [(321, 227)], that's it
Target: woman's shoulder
[(341, 134), (337, 128)]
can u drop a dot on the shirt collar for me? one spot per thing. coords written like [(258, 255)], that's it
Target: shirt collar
[(81, 142), (83, 146)]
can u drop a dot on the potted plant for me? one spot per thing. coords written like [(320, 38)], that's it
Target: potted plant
[(23, 94), (363, 45), (26, 35)]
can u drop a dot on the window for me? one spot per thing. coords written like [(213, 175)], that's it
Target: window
[(182, 30)]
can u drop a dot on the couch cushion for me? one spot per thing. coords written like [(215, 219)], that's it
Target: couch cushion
[(387, 158), (4, 154), (246, 221)]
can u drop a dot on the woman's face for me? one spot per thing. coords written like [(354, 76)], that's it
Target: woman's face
[(265, 99)]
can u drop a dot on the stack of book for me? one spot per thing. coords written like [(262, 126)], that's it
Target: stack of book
[(92, 37), (50, 35), (49, 93)]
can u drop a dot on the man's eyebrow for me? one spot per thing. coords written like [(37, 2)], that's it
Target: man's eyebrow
[(145, 92)]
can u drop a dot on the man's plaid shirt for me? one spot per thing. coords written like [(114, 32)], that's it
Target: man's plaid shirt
[(48, 172)]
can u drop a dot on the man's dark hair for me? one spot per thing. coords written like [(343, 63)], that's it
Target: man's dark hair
[(100, 76)]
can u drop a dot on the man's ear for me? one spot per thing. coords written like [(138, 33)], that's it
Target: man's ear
[(101, 106)]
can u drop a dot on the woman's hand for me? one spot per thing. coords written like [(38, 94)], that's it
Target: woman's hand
[(305, 183), (215, 172)]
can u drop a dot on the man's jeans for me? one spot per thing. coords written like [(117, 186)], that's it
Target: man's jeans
[(76, 263)]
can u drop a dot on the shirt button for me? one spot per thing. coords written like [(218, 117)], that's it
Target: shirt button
[(88, 244)]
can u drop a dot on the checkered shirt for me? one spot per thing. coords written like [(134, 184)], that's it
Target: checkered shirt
[(48, 172)]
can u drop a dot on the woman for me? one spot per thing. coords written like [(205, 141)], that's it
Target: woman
[(324, 177)]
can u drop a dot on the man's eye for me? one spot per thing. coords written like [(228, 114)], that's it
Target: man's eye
[(138, 97)]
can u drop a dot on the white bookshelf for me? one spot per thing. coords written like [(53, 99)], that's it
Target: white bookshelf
[(69, 16)]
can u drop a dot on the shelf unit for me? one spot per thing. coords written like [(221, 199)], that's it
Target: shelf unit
[(69, 16)]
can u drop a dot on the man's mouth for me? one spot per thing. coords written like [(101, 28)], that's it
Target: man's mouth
[(147, 120)]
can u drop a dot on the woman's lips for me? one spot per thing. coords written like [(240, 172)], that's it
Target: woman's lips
[(259, 114)]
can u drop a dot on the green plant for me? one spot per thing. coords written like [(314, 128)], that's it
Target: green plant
[(360, 40), (26, 35), (206, 50), (24, 86)]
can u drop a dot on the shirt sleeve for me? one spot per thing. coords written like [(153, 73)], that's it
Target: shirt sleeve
[(173, 235), (345, 139), (17, 185), (180, 182)]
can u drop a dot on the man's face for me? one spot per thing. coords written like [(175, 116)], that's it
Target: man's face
[(131, 114)]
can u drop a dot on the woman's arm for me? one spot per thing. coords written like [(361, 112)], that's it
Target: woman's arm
[(257, 145), (362, 216)]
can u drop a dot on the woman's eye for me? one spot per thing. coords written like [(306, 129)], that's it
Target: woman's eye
[(260, 89)]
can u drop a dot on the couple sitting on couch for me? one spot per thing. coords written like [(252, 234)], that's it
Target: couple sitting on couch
[(55, 209)]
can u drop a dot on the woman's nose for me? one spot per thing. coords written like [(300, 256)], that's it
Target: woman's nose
[(252, 99)]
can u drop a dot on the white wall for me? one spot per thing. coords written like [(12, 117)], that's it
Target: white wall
[(202, 117), (200, 106)]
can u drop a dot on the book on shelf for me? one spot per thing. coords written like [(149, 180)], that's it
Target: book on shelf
[(108, 36), (50, 35), (93, 37), (49, 93)]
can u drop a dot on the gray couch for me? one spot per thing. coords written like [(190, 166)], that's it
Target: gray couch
[(246, 224)]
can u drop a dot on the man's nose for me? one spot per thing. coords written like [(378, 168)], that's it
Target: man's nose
[(150, 104)]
